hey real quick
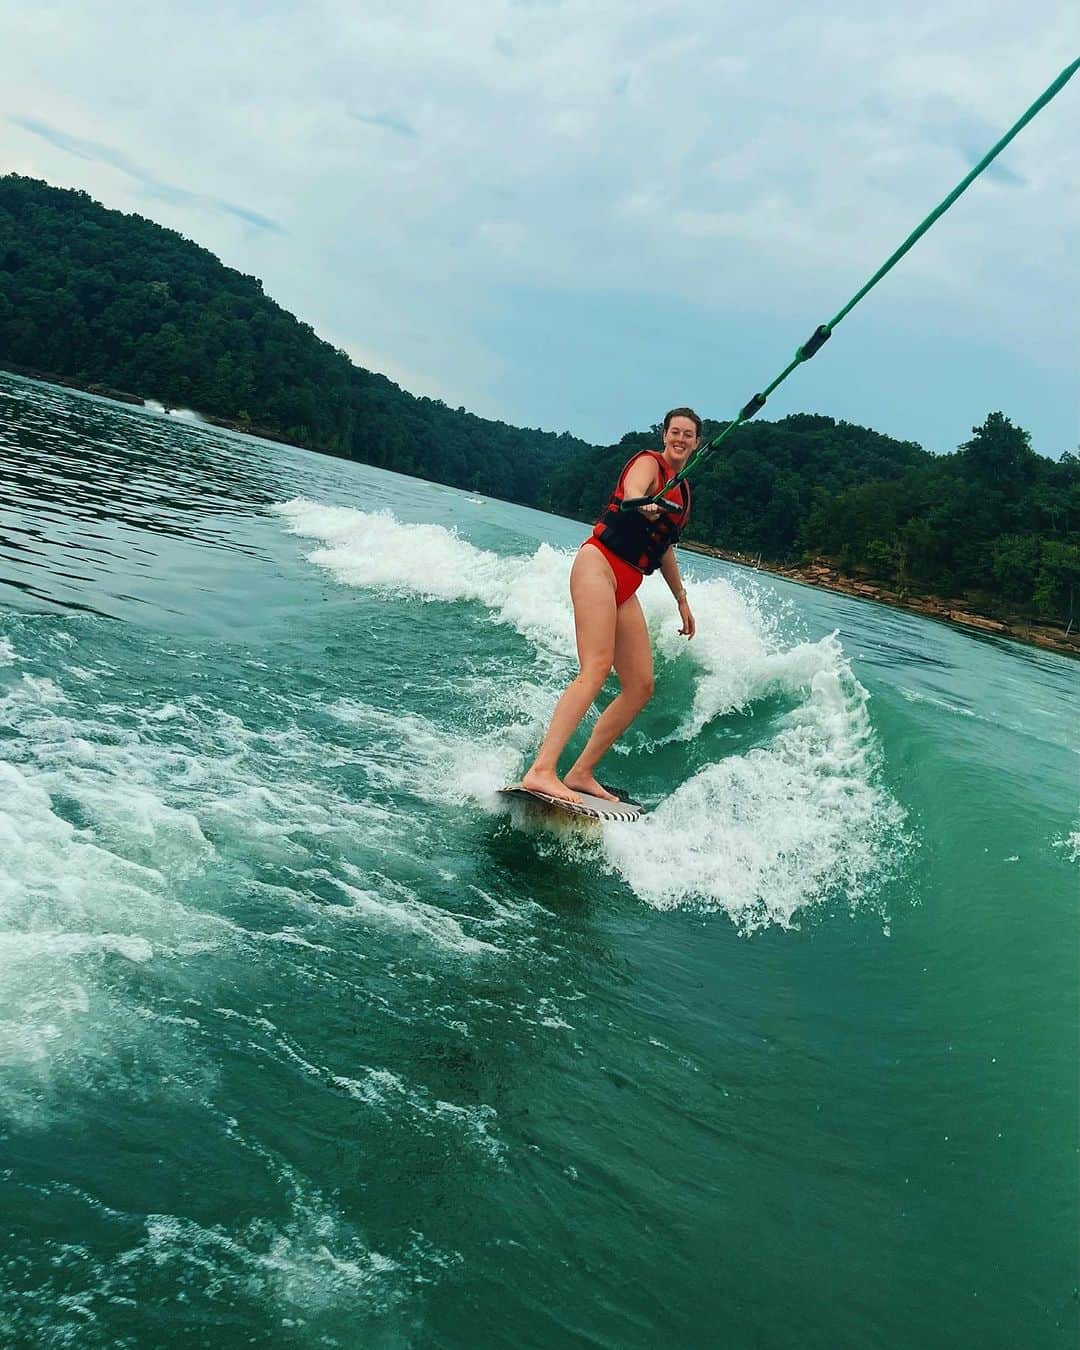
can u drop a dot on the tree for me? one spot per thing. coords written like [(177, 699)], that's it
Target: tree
[(113, 299), (1057, 586), (999, 454)]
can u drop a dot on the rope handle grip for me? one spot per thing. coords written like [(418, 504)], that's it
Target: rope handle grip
[(632, 503)]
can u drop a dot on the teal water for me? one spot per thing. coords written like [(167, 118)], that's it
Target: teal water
[(306, 1040)]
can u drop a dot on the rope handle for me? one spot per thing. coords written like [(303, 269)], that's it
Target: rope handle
[(630, 503)]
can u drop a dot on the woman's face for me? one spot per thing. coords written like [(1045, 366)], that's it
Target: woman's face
[(680, 440)]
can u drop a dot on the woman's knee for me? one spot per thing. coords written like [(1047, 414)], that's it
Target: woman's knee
[(593, 674), (640, 689)]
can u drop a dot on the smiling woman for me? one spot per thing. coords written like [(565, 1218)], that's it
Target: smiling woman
[(609, 627)]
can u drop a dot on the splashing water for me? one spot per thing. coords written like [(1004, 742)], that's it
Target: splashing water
[(761, 834), (306, 1041)]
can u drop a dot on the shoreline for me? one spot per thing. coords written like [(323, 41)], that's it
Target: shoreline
[(825, 576), (819, 572), (136, 401)]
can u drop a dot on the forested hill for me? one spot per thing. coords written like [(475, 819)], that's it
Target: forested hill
[(754, 493), (104, 298), (994, 522)]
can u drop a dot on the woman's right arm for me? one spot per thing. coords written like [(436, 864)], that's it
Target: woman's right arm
[(642, 480)]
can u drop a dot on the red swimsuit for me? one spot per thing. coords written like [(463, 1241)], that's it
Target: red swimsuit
[(627, 576)]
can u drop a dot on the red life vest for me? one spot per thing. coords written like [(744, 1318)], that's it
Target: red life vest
[(635, 538)]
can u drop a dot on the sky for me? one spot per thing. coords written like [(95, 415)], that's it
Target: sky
[(574, 214)]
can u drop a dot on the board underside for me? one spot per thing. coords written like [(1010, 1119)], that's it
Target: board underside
[(591, 808)]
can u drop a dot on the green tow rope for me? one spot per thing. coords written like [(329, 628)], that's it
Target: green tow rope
[(824, 331)]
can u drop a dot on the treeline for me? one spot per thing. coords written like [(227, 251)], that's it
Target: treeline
[(104, 298), (994, 522)]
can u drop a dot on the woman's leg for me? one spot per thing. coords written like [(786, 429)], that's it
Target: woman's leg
[(633, 665), (592, 591)]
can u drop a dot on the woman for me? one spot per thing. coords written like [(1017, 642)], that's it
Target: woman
[(608, 622)]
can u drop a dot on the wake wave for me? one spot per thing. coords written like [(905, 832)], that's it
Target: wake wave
[(373, 551), (765, 834), (761, 834)]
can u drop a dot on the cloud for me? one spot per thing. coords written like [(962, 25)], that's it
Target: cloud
[(687, 175), (153, 186), (1000, 173), (386, 121)]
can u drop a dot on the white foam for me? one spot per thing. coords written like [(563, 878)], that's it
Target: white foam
[(407, 752), (374, 551), (392, 904), (742, 663), (30, 946), (180, 414), (764, 835), (737, 656), (128, 882), (1071, 845), (68, 906), (385, 1091), (302, 1261), (528, 592), (761, 835), (310, 1262)]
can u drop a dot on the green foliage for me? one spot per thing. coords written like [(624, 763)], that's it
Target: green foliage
[(1057, 583), (994, 520), (110, 299), (104, 298)]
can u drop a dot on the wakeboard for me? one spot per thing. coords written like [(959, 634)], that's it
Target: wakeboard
[(592, 808)]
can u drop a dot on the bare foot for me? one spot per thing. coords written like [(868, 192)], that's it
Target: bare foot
[(585, 782), (536, 780)]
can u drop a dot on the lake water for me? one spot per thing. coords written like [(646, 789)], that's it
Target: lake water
[(307, 1040)]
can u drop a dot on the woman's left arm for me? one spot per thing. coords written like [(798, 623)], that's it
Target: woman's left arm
[(669, 569)]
